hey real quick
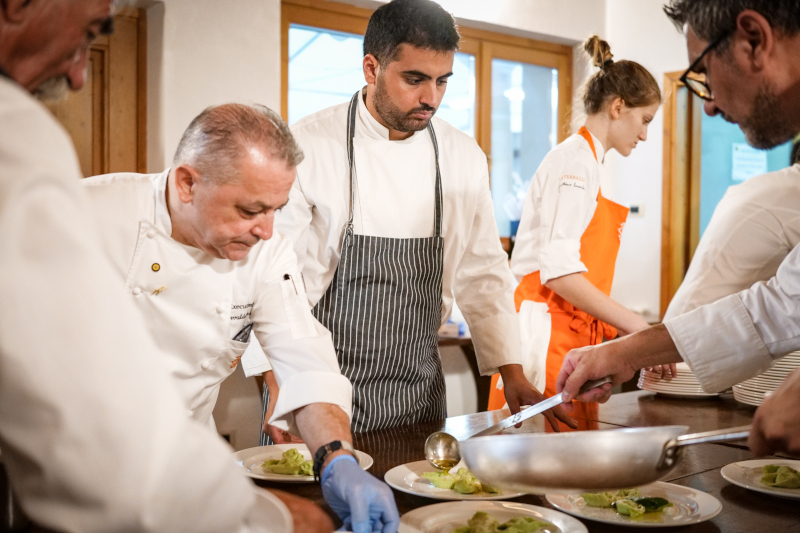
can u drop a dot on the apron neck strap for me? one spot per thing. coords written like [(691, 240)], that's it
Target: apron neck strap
[(351, 130), (583, 132)]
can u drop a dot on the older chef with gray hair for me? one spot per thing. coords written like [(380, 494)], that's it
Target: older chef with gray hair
[(193, 248)]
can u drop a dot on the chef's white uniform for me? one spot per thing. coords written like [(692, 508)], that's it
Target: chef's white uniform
[(194, 304), (93, 431), (753, 229), (395, 198), (741, 335), (560, 204)]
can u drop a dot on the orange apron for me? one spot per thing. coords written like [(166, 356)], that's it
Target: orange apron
[(571, 327)]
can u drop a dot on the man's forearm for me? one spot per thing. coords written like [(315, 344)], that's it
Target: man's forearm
[(648, 347), (321, 423)]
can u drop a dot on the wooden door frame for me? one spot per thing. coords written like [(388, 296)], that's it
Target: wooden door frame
[(484, 45), (680, 206)]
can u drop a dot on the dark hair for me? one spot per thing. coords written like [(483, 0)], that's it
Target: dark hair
[(710, 19), (624, 79), (420, 23)]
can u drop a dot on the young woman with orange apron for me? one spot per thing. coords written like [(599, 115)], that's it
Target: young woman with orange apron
[(558, 310)]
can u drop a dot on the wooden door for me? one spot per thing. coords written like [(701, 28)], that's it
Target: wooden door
[(106, 119)]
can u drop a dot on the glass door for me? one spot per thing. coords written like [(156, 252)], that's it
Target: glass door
[(526, 119)]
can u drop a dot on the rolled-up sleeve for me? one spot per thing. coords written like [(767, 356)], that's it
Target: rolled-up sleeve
[(740, 336), (300, 349)]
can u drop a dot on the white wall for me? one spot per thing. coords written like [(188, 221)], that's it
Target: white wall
[(205, 52), (638, 30)]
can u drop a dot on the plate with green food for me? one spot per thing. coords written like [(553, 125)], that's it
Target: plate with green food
[(658, 504), (488, 517), (776, 477), (284, 463), (421, 479)]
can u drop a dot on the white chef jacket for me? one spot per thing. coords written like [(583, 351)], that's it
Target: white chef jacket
[(395, 199), (93, 431), (741, 335), (754, 227), (560, 204), (195, 304)]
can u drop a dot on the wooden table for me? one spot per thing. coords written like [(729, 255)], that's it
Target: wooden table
[(742, 510)]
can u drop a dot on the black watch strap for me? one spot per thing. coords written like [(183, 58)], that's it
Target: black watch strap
[(324, 451)]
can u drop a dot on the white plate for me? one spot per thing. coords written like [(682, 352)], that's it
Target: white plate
[(408, 478), (445, 517), (748, 474), (667, 388), (252, 458), (681, 394), (689, 506), (269, 511)]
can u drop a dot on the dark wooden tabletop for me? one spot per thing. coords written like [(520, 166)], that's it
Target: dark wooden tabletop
[(699, 467)]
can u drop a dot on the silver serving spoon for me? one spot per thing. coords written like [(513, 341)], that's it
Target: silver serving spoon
[(441, 449)]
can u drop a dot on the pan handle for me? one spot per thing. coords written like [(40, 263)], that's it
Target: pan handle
[(672, 449), (736, 433)]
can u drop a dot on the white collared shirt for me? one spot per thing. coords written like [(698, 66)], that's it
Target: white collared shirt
[(741, 335), (194, 304), (561, 202), (752, 230), (395, 198), (93, 431)]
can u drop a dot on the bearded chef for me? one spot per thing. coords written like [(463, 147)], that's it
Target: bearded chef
[(193, 247), (392, 219)]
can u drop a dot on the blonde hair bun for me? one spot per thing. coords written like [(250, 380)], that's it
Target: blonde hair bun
[(599, 50)]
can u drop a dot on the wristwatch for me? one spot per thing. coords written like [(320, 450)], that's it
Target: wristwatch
[(324, 451)]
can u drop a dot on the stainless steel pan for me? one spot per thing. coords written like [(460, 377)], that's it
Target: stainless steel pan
[(583, 460)]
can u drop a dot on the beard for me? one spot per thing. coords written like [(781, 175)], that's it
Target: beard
[(52, 90), (767, 126), (394, 117)]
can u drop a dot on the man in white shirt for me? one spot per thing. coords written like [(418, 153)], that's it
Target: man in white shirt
[(193, 247), (752, 230), (746, 64), (392, 220), (93, 433)]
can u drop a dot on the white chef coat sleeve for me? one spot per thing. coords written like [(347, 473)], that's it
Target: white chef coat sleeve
[(94, 434), (300, 349), (484, 286), (739, 336), (569, 199), (721, 265)]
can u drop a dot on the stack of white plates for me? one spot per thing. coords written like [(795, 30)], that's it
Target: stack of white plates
[(684, 385), (753, 391)]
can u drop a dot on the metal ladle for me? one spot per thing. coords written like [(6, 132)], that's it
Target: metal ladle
[(441, 449)]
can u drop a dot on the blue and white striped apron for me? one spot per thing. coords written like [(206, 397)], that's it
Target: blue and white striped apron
[(383, 308)]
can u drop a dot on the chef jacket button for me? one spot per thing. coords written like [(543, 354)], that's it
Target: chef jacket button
[(208, 364), (220, 309), (151, 233), (137, 291)]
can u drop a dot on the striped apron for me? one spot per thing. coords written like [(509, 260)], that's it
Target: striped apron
[(383, 308)]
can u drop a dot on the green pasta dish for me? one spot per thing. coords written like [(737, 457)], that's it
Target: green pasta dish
[(627, 502), (292, 463), (782, 477), (463, 482), (484, 523)]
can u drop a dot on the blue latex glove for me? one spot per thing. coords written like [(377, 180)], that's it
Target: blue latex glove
[(364, 504)]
